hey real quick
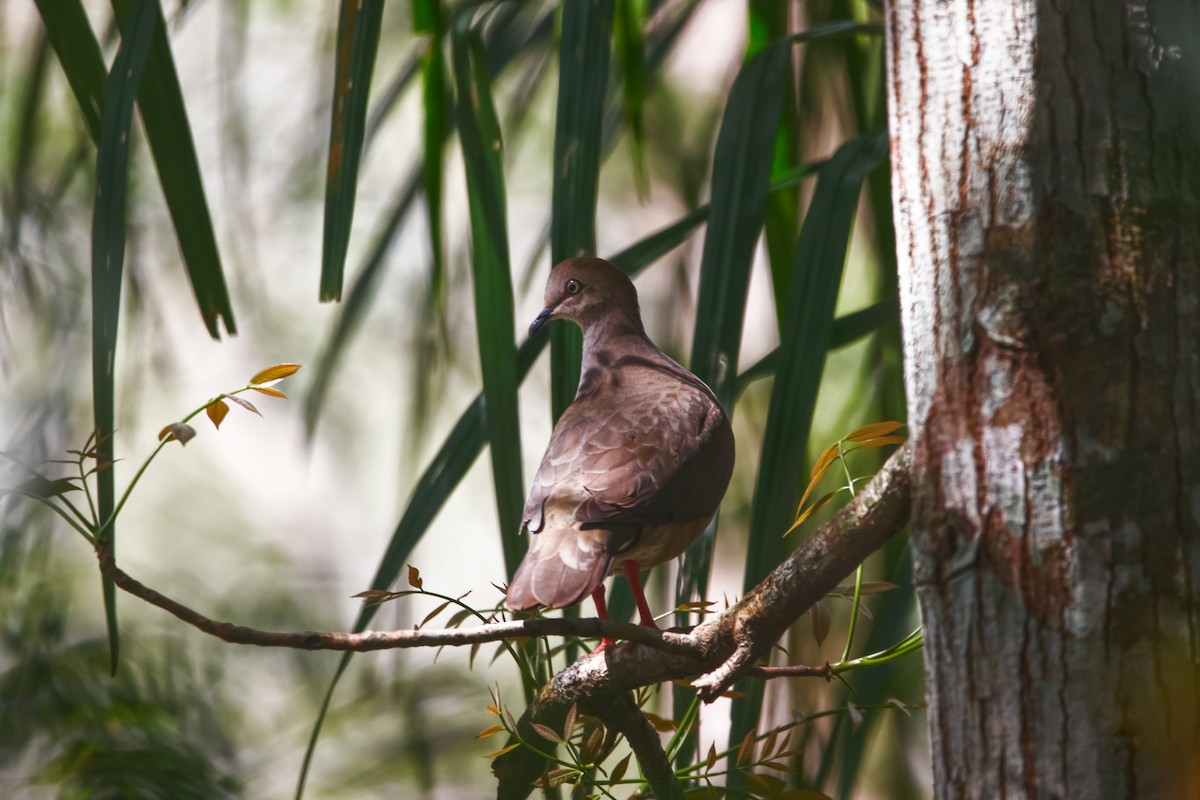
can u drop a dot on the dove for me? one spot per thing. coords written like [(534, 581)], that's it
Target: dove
[(637, 464)]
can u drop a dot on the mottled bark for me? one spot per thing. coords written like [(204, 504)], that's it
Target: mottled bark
[(1045, 186)]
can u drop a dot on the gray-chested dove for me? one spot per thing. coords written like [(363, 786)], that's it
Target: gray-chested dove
[(636, 465)]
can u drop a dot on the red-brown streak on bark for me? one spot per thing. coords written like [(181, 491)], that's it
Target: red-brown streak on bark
[(923, 159), (969, 124)]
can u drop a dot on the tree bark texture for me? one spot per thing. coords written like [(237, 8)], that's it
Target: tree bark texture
[(1045, 178)]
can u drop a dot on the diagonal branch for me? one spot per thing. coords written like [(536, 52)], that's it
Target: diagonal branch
[(727, 645)]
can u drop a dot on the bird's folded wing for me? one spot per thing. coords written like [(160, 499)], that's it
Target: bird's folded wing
[(640, 461)]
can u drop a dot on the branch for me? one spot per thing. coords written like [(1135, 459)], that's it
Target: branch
[(366, 641), (622, 715), (727, 645)]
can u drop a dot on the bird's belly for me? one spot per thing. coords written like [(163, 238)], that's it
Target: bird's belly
[(661, 543)]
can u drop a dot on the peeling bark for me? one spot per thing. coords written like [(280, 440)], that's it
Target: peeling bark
[(1046, 171)]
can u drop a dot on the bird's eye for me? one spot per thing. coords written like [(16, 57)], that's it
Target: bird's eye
[(573, 286)]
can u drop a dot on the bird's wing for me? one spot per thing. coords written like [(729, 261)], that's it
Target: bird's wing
[(634, 459)]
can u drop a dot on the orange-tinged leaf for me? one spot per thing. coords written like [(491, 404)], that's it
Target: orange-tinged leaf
[(746, 748), (882, 441), (660, 724), (269, 392), (486, 732), (459, 618), (827, 457), (555, 777), (275, 373), (569, 723), (434, 613), (493, 710), (765, 785), (546, 732), (711, 761), (414, 578), (246, 404), (177, 432), (768, 748), (503, 750), (874, 430), (824, 462), (590, 753), (373, 596), (868, 587), (216, 412), (820, 621), (808, 512), (620, 769)]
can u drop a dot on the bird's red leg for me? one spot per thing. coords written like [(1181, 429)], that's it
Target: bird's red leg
[(633, 575), (602, 612)]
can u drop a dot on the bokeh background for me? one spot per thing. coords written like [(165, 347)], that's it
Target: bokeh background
[(275, 522)]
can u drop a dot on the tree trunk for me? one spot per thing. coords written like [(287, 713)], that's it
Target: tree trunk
[(1045, 182)]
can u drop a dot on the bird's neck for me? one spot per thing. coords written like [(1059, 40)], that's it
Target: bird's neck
[(610, 333)]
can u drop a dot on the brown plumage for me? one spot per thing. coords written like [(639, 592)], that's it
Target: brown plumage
[(638, 463)]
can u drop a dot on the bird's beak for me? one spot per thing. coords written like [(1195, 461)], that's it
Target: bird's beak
[(542, 319)]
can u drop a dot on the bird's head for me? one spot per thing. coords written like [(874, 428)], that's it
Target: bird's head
[(586, 290)]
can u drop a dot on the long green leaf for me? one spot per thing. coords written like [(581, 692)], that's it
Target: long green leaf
[(78, 52), (427, 19), (820, 258), (741, 175), (583, 58), (630, 44), (479, 134), (108, 260), (27, 138), (359, 24), (769, 21), (164, 116)]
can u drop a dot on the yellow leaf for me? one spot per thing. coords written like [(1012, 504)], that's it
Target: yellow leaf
[(216, 412), (414, 577), (275, 373), (493, 710), (873, 430), (269, 392), (503, 750), (486, 732)]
